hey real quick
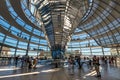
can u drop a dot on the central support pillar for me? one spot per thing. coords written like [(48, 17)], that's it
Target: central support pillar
[(57, 54)]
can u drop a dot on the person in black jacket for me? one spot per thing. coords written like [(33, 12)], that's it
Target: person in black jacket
[(78, 61)]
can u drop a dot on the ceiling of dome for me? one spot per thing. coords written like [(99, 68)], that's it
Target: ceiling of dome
[(58, 19)]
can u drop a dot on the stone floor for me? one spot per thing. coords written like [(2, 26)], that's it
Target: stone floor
[(48, 72)]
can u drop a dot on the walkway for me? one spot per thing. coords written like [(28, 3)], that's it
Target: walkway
[(110, 72)]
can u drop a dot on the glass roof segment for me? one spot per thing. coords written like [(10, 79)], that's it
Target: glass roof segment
[(30, 16), (106, 23), (18, 19), (21, 13), (18, 34), (82, 44), (14, 31)]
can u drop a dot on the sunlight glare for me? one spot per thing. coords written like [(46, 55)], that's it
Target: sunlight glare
[(16, 75), (51, 70)]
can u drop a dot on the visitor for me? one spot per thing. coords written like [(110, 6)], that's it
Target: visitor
[(96, 65)]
